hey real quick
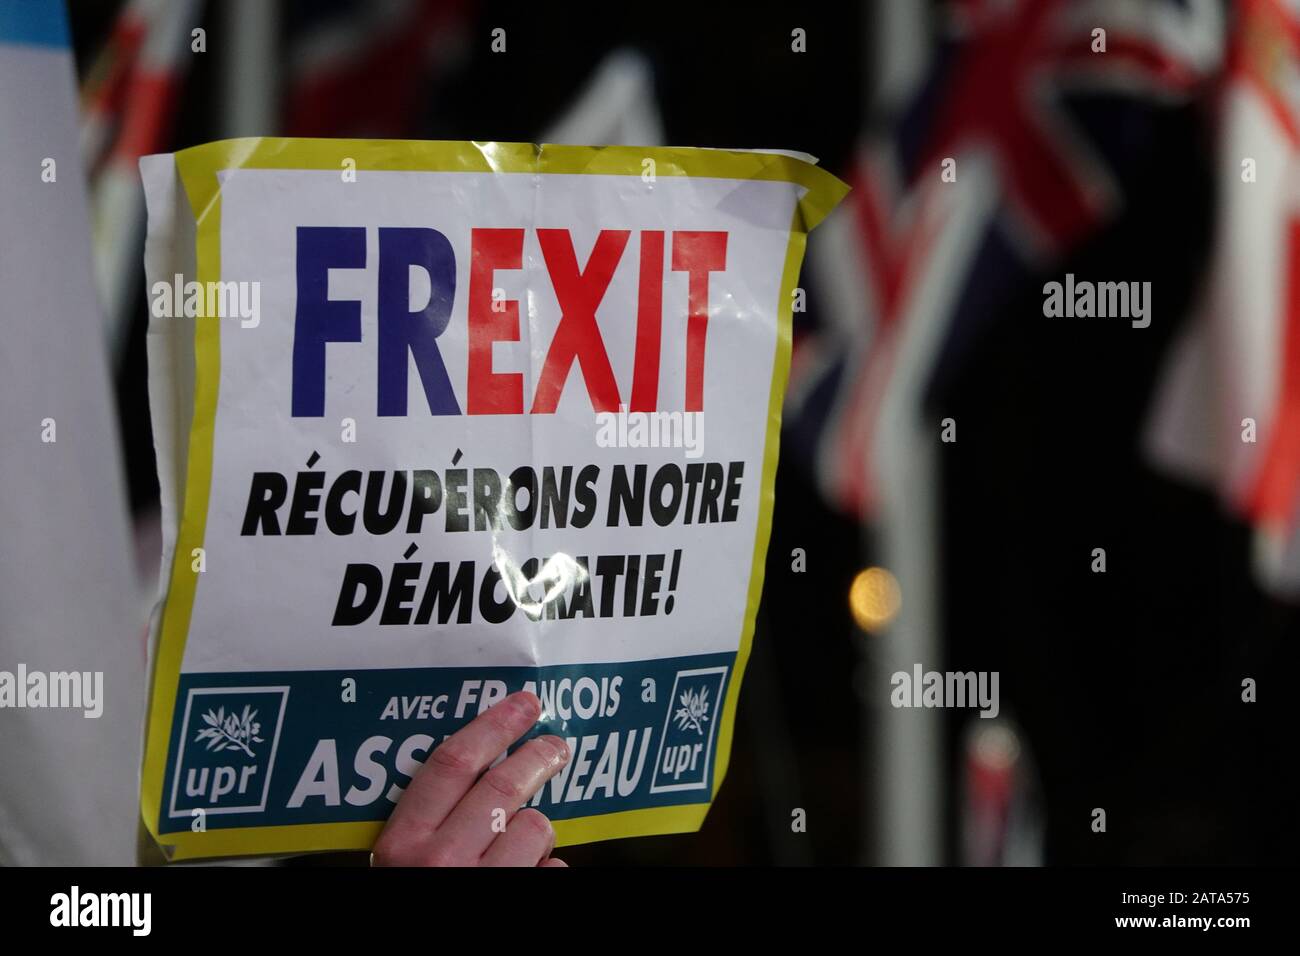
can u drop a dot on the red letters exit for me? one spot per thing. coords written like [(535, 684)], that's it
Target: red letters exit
[(579, 290)]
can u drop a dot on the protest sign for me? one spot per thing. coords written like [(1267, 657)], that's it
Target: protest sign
[(437, 422)]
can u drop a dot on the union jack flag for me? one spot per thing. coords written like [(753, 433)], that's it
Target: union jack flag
[(1014, 150)]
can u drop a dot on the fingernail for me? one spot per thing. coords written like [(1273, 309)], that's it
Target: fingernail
[(526, 704), (558, 745)]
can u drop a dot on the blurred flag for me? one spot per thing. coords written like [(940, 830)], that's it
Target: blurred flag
[(130, 102), (103, 89), (1227, 409), (617, 107), (68, 600), (366, 68), (1001, 822), (1013, 150), (1035, 130)]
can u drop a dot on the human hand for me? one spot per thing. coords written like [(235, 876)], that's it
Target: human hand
[(452, 812)]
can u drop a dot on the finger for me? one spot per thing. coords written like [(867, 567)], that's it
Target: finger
[(529, 837), (468, 830), (450, 771), (552, 861)]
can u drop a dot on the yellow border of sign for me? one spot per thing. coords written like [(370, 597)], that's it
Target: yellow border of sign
[(199, 168)]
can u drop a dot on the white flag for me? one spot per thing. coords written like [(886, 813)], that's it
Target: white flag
[(1227, 410), (71, 638)]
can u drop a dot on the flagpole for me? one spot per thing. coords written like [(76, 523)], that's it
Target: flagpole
[(908, 753), (249, 76), (904, 759)]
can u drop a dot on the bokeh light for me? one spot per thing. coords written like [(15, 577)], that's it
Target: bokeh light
[(874, 599)]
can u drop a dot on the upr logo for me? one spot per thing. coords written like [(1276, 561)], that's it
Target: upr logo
[(226, 730), (690, 729), (227, 749)]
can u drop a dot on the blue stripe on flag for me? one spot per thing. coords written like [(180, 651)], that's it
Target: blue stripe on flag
[(36, 22)]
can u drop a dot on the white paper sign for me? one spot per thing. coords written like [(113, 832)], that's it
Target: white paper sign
[(437, 422)]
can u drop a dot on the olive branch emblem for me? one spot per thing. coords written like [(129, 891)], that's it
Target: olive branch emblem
[(230, 730), (694, 711)]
